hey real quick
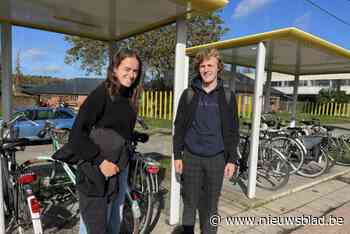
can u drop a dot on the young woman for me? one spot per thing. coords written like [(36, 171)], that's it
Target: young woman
[(112, 105)]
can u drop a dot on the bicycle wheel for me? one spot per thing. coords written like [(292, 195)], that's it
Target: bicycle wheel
[(292, 151), (55, 191), (141, 192), (315, 163), (333, 151), (157, 202), (9, 197), (272, 169), (7, 188), (343, 158)]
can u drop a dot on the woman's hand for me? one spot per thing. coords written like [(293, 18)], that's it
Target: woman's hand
[(108, 168)]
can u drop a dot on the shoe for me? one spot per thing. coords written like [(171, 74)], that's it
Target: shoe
[(188, 229)]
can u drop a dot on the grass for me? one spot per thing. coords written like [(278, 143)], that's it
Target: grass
[(158, 123), (165, 162)]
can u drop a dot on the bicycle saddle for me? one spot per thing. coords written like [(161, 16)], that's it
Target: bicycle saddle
[(139, 137)]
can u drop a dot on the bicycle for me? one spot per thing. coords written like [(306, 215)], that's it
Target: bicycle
[(143, 186), (343, 158), (272, 168), (316, 142), (22, 208), (308, 148), (282, 138), (60, 178), (55, 187)]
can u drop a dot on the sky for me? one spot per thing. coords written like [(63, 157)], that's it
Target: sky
[(42, 53)]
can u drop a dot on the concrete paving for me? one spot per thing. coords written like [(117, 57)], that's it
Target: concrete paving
[(290, 211)]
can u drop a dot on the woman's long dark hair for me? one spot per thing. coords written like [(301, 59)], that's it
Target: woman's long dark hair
[(113, 85)]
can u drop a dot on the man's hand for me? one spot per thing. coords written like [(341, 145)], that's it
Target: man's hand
[(178, 166), (229, 170), (108, 168)]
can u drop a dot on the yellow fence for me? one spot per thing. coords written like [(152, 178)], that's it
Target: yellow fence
[(328, 109), (156, 105), (159, 105)]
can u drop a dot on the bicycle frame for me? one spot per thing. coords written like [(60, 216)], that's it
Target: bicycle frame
[(65, 166)]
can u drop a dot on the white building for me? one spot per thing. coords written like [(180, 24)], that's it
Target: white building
[(309, 85)]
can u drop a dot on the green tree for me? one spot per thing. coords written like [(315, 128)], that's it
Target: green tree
[(331, 95), (156, 47)]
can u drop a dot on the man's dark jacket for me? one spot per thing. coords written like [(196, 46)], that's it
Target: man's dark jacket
[(229, 123)]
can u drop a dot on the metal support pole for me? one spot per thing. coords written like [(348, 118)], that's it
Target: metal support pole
[(112, 28), (267, 104), (295, 100), (111, 51), (180, 83), (6, 71), (6, 96), (233, 79), (257, 106), (186, 73), (295, 89)]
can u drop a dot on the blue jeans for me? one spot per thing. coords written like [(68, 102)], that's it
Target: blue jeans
[(115, 208)]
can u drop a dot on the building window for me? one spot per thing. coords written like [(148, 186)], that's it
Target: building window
[(324, 83), (276, 83), (345, 82), (302, 82), (289, 83)]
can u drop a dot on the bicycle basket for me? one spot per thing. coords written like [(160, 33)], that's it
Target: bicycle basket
[(61, 135)]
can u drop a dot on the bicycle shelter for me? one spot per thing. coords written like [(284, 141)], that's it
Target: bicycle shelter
[(101, 20), (289, 51)]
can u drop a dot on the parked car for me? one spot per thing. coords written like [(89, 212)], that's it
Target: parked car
[(29, 126)]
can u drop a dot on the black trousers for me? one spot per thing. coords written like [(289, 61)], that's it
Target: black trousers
[(93, 210), (202, 183)]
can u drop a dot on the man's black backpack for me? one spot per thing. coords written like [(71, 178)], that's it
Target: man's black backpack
[(190, 94)]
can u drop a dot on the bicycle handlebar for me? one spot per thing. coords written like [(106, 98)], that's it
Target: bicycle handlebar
[(46, 129), (139, 137), (9, 123)]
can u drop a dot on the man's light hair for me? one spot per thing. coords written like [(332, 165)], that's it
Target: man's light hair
[(207, 54)]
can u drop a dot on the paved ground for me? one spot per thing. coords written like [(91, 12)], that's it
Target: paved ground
[(296, 200), (303, 200)]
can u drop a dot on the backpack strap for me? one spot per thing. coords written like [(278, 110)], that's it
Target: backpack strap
[(227, 95), (190, 93)]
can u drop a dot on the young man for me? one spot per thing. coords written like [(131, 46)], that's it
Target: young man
[(205, 141)]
